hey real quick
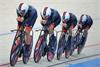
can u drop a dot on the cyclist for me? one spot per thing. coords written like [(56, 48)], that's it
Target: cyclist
[(85, 24), (28, 15), (50, 18), (69, 21)]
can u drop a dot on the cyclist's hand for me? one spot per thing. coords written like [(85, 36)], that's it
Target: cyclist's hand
[(43, 21), (28, 29), (51, 27), (20, 19)]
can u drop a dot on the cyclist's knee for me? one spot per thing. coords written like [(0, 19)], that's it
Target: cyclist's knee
[(28, 37), (28, 29)]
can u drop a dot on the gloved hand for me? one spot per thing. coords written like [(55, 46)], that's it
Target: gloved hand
[(51, 27), (20, 19)]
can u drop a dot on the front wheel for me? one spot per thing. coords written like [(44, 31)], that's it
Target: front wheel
[(14, 57), (37, 56), (37, 50), (15, 51)]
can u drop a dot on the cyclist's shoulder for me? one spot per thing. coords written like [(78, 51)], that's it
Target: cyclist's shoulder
[(72, 15), (54, 11), (32, 8)]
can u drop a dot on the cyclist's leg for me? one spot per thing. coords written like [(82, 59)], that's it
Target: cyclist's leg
[(28, 29), (70, 36), (28, 43), (83, 40), (52, 41), (84, 37), (60, 43), (68, 45), (27, 35), (69, 42), (64, 30)]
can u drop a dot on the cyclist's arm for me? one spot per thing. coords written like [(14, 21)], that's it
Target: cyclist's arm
[(19, 18), (30, 19)]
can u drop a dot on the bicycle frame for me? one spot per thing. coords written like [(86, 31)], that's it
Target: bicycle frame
[(41, 44)]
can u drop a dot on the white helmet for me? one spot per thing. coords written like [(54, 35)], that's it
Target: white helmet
[(66, 16), (22, 9), (84, 18), (46, 12)]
